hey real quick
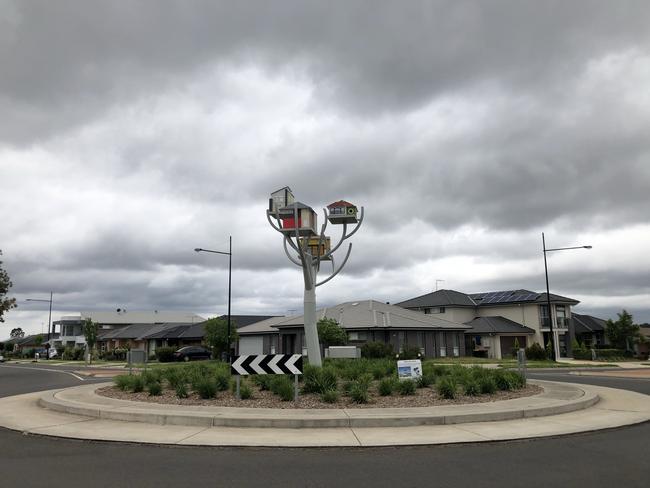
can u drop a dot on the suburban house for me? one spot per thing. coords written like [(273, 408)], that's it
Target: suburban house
[(500, 319), (589, 330), (149, 337), (71, 326), (34, 341), (364, 321)]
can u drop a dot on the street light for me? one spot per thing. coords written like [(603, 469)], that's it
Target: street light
[(229, 254), (548, 293), (49, 321)]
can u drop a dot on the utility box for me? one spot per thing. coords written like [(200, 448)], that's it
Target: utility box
[(343, 352), (136, 356)]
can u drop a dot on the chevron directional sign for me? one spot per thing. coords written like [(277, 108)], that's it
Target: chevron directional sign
[(266, 364)]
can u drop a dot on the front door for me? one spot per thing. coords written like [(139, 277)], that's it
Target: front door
[(289, 344)]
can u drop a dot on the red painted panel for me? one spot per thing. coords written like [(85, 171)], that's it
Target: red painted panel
[(290, 223)]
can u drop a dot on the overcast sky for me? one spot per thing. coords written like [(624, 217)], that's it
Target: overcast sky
[(133, 132)]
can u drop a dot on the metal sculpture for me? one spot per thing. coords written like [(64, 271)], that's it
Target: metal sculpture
[(294, 221)]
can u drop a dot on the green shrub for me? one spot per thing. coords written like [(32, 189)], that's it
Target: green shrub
[(446, 387), (206, 388), (425, 380), (124, 382), (536, 353), (440, 370), (181, 390), (318, 380), (174, 376), (154, 388), (359, 392), (222, 380), (263, 381), (245, 391), (406, 387), (151, 376), (165, 354), (283, 387), (137, 384), (410, 352), (487, 385), (119, 354), (376, 350), (472, 387), (330, 396), (386, 386)]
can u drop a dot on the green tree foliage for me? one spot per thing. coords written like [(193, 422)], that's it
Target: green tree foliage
[(216, 335), (623, 333), (330, 333), (90, 334), (17, 333), (6, 303)]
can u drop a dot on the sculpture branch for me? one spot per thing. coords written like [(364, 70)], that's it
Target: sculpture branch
[(356, 228), (268, 217), (291, 258), (339, 268), (333, 250)]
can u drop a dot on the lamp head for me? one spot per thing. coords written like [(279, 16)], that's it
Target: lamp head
[(587, 247), (197, 249)]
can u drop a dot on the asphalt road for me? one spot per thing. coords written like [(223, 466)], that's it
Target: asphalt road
[(603, 459)]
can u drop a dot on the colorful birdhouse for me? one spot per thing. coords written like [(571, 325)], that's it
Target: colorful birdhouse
[(314, 248), (279, 199), (342, 212), (298, 216)]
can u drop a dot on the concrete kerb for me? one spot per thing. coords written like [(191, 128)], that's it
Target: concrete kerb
[(557, 398)]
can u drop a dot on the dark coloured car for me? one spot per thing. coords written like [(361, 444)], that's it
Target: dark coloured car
[(191, 353)]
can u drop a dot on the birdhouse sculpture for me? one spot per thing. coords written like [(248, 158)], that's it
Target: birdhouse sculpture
[(342, 212), (314, 249), (279, 199), (298, 216)]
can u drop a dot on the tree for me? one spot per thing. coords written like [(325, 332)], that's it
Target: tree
[(16, 333), (90, 334), (330, 333), (623, 333), (216, 335), (6, 303)]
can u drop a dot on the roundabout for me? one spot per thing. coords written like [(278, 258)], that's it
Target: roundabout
[(562, 408)]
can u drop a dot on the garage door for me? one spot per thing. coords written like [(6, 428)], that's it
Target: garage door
[(251, 345)]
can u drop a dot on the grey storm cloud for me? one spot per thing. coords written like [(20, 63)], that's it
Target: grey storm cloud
[(76, 58), (133, 132)]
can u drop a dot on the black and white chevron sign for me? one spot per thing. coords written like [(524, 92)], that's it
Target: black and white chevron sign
[(266, 364)]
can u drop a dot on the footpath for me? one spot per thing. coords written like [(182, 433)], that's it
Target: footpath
[(561, 409)]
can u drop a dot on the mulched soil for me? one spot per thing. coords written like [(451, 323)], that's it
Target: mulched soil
[(424, 397)]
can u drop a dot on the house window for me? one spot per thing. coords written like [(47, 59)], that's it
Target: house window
[(427, 311), (441, 309), (477, 340), (456, 345), (358, 336), (560, 313)]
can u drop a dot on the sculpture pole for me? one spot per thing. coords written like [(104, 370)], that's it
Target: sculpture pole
[(310, 266)]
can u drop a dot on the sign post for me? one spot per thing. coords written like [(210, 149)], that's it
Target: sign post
[(267, 364)]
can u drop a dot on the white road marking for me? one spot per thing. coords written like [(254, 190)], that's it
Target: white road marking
[(45, 369)]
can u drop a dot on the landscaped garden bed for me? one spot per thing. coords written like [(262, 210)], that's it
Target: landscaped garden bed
[(359, 383)]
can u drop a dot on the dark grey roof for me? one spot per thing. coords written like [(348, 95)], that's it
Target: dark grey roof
[(439, 298), (244, 320), (496, 325), (587, 323), (371, 314), (137, 332), (31, 338), (556, 298)]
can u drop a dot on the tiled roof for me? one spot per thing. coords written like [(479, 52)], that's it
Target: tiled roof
[(439, 298), (496, 325), (587, 323)]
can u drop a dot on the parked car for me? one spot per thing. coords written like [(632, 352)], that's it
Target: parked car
[(2, 358), (190, 353)]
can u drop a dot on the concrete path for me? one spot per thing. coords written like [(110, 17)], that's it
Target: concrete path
[(615, 408)]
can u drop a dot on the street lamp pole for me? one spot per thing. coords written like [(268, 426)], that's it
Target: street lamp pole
[(49, 320), (548, 293), (229, 254)]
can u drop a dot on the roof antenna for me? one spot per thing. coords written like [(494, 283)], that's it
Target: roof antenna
[(439, 281)]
